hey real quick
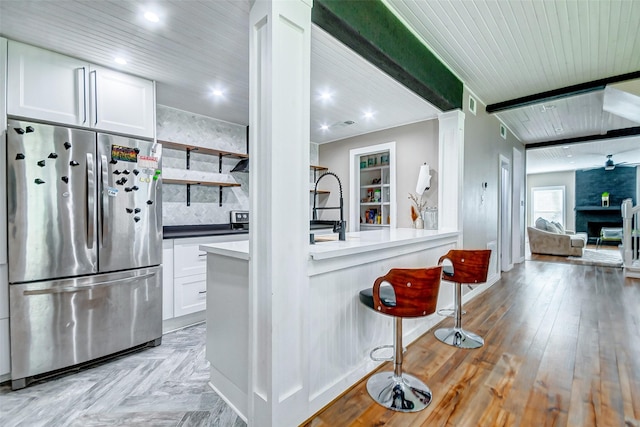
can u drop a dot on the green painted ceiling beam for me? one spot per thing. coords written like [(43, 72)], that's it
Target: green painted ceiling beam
[(374, 32)]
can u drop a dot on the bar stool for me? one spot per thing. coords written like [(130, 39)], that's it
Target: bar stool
[(467, 266), (413, 293)]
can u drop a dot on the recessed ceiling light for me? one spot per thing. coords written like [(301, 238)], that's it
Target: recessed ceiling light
[(569, 155), (326, 95), (120, 61), (368, 115), (559, 130), (218, 92), (151, 16), (324, 127), (565, 147)]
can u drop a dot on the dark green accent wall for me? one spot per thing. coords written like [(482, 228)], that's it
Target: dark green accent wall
[(372, 31)]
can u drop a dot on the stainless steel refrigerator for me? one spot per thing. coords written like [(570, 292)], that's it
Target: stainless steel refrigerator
[(85, 246)]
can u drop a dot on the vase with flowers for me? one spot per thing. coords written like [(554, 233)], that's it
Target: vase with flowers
[(416, 210)]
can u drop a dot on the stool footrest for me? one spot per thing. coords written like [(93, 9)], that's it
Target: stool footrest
[(384, 359), (449, 312)]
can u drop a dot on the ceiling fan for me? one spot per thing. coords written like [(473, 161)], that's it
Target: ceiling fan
[(609, 164)]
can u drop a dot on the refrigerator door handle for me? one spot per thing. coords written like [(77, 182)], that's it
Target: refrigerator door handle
[(91, 191), (70, 289), (105, 201)]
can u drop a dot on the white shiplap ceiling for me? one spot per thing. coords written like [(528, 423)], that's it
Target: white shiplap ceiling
[(500, 49), (507, 49), (199, 46)]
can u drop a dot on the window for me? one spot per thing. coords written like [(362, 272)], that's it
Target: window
[(548, 203)]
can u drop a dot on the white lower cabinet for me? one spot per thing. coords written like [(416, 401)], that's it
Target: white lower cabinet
[(5, 353), (190, 294), (188, 259), (184, 274), (5, 350), (167, 279)]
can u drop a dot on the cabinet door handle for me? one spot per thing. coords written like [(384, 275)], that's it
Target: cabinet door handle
[(84, 94), (203, 254), (95, 96), (202, 292)]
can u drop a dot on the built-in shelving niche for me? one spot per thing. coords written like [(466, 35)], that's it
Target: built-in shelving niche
[(191, 177)]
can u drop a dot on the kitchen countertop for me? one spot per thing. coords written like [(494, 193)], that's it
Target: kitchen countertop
[(355, 243), (202, 230)]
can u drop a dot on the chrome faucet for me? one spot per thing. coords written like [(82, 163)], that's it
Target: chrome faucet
[(339, 227)]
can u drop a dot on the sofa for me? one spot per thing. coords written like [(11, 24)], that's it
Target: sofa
[(551, 238)]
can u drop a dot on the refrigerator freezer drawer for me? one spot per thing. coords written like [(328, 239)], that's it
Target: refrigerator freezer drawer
[(61, 323)]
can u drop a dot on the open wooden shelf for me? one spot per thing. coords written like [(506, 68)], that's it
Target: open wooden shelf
[(203, 150), (210, 183)]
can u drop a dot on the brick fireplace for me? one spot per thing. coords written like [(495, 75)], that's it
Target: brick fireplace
[(620, 183)]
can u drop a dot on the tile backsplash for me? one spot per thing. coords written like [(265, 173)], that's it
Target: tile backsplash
[(189, 128)]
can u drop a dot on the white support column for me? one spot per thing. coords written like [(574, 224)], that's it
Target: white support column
[(450, 191), (280, 39)]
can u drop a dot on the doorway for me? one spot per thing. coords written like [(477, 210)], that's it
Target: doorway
[(506, 259)]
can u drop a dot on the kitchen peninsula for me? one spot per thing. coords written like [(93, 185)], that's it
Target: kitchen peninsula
[(338, 331)]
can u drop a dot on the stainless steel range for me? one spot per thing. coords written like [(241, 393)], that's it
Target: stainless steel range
[(85, 246), (239, 220)]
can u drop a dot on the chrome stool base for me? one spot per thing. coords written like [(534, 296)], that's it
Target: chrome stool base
[(403, 394), (460, 338)]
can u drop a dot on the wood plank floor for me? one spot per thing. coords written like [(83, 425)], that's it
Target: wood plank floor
[(562, 349), (160, 386)]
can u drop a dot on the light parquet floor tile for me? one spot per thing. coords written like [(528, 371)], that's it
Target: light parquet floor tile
[(160, 386)]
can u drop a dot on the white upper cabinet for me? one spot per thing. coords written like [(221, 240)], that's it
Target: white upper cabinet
[(47, 86), (121, 102), (44, 85)]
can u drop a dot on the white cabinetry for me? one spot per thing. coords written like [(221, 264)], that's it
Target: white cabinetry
[(167, 279), (184, 268), (5, 353), (189, 285), (47, 86), (122, 103)]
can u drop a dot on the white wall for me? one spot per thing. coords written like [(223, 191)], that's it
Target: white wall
[(482, 147), (416, 144), (566, 179)]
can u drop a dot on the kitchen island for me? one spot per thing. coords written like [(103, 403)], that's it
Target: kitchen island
[(339, 331)]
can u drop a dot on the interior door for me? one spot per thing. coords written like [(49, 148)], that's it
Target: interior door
[(51, 192), (506, 262), (130, 193)]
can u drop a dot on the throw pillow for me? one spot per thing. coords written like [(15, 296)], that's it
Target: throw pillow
[(541, 224), (559, 227), (551, 227)]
